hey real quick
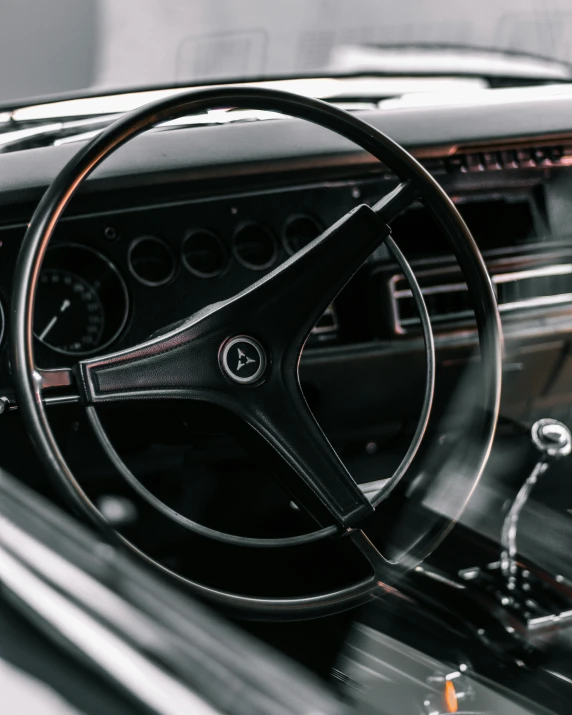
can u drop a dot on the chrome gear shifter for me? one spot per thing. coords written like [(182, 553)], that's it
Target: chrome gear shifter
[(526, 600), (554, 441)]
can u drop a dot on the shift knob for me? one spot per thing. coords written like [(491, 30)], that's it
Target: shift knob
[(552, 438), (554, 441)]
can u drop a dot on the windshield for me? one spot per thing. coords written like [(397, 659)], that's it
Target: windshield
[(50, 47)]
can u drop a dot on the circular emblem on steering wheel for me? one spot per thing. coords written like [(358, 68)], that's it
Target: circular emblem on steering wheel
[(243, 360)]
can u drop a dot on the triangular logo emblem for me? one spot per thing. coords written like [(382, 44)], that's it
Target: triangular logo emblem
[(243, 360)]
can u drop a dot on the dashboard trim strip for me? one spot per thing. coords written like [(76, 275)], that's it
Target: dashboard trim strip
[(496, 279)]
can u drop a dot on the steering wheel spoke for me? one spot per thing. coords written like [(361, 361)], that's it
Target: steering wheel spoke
[(56, 386), (283, 418), (181, 363), (396, 201), (53, 379), (377, 561), (288, 302)]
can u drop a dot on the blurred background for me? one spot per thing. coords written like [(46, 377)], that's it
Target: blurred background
[(110, 44)]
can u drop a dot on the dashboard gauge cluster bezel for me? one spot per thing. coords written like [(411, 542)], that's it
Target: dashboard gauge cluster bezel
[(191, 282), (171, 269), (99, 272)]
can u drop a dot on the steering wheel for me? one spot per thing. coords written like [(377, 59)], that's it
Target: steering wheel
[(242, 354)]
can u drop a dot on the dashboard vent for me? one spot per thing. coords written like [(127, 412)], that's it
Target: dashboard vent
[(506, 158), (448, 301)]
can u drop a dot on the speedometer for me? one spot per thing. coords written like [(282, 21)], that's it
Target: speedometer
[(81, 301), (69, 314)]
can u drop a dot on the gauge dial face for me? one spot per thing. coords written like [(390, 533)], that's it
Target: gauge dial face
[(69, 314), (81, 303)]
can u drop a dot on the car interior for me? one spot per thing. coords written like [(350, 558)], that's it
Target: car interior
[(299, 350)]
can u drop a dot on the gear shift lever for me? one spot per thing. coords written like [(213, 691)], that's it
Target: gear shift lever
[(525, 602), (554, 441)]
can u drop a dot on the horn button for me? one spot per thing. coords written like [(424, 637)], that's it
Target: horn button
[(243, 360)]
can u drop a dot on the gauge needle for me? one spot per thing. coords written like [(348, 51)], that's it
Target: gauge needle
[(64, 306)]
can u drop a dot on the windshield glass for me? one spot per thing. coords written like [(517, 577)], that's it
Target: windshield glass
[(66, 46)]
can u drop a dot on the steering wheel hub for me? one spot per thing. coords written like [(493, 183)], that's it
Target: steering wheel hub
[(243, 360)]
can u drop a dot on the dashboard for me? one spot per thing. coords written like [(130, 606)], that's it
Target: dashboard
[(181, 218)]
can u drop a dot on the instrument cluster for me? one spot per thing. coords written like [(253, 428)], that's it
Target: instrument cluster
[(110, 280), (82, 302), (83, 298)]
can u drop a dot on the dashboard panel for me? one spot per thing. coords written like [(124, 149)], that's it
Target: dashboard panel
[(156, 236), (149, 267)]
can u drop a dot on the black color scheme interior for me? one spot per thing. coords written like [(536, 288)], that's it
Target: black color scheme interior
[(185, 220), (267, 324)]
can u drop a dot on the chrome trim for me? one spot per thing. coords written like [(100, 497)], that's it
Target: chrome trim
[(73, 138), (565, 678), (149, 238), (436, 576), (60, 400), (258, 349), (20, 136), (430, 290), (269, 233), (211, 118), (216, 240), (9, 405), (470, 574), (61, 377), (496, 278), (508, 562), (539, 302), (554, 619), (461, 315), (559, 269)]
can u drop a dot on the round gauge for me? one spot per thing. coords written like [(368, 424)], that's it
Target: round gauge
[(298, 232), (70, 312), (254, 246), (81, 301), (204, 254), (151, 261)]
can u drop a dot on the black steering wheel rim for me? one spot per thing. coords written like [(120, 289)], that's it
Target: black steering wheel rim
[(58, 195)]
